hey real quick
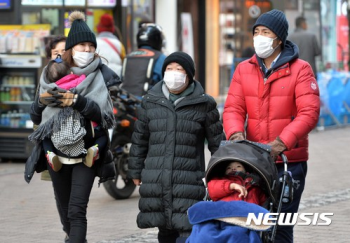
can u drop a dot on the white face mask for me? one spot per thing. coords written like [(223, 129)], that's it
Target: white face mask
[(82, 59), (263, 46), (175, 81)]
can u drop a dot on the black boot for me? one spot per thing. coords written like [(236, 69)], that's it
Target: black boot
[(66, 239)]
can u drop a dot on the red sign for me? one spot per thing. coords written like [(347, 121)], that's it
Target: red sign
[(342, 40)]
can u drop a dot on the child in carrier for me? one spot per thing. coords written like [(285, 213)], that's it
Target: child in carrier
[(241, 180), (236, 184), (58, 72)]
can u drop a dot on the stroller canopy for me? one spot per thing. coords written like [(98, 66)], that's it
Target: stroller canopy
[(255, 157)]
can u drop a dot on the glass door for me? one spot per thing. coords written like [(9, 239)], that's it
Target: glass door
[(18, 84), (17, 91)]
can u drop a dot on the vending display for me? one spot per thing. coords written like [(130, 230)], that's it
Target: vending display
[(16, 93), (18, 84)]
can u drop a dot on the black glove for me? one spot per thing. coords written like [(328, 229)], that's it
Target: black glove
[(51, 96), (55, 92), (67, 99), (46, 98)]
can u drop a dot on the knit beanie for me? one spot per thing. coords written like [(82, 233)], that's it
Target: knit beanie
[(276, 21), (184, 60), (79, 31), (106, 24)]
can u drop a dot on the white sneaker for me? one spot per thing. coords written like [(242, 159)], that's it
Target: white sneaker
[(92, 155), (53, 161)]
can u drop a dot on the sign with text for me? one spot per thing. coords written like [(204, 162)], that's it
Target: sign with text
[(5, 4)]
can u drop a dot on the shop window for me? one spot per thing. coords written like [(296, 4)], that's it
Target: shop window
[(30, 18), (51, 16)]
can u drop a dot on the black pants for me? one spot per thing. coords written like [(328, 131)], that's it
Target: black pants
[(284, 234), (172, 236), (72, 185), (167, 236)]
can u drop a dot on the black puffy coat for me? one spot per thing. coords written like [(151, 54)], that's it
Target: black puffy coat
[(167, 154)]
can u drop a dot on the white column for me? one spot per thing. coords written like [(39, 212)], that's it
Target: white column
[(166, 12)]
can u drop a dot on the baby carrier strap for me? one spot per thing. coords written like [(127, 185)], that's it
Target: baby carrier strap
[(254, 179)]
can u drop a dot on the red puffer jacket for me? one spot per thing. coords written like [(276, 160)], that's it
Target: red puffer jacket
[(219, 189), (283, 103)]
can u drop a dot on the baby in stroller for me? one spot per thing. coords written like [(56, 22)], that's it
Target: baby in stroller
[(236, 184), (241, 179)]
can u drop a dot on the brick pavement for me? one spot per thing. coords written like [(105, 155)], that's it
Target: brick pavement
[(27, 212)]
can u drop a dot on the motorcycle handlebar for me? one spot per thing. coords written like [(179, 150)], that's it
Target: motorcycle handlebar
[(125, 96)]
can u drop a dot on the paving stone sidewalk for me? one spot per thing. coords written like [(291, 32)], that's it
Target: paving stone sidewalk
[(28, 213), (327, 191)]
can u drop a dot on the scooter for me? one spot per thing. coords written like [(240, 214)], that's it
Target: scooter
[(124, 108)]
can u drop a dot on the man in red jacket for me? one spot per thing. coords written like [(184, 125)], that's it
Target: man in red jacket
[(274, 99)]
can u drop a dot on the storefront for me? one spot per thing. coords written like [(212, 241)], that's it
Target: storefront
[(229, 38), (127, 15), (20, 67), (25, 27)]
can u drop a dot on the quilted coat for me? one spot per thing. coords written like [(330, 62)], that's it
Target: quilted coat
[(219, 188), (167, 154), (282, 103)]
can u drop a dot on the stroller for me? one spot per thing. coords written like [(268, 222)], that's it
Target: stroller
[(208, 216)]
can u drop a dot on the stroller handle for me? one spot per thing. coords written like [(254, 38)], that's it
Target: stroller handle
[(285, 161)]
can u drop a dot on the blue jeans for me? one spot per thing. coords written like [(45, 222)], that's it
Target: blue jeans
[(72, 185), (284, 234)]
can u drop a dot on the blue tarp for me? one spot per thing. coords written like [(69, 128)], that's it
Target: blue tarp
[(335, 96)]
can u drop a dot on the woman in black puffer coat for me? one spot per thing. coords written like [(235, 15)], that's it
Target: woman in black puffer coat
[(167, 152)]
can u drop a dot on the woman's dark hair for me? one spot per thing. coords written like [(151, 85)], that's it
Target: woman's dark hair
[(56, 70), (52, 44)]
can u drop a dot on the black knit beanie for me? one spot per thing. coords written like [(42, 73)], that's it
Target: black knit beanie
[(79, 31), (276, 21), (184, 60)]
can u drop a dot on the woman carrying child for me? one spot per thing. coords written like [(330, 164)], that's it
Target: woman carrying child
[(68, 115), (58, 72)]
